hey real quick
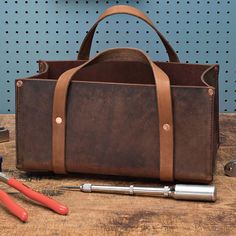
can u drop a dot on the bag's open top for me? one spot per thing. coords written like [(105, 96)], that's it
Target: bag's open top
[(125, 72)]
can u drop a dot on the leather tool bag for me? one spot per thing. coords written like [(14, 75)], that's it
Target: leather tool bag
[(120, 114)]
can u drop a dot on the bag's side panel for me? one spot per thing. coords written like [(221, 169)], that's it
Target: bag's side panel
[(212, 79)]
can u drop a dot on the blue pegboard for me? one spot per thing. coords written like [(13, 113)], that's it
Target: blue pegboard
[(200, 31)]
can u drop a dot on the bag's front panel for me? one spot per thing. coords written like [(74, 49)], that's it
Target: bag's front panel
[(113, 129)]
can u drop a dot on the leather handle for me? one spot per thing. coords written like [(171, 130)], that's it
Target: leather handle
[(85, 48), (164, 107)]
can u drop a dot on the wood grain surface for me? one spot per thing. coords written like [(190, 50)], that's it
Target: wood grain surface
[(105, 214)]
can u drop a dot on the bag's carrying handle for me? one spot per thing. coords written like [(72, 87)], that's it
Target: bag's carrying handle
[(164, 107), (122, 9)]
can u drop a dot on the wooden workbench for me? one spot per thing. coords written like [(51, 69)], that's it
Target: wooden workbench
[(101, 214)]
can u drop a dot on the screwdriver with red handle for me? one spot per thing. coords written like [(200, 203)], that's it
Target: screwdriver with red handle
[(20, 212)]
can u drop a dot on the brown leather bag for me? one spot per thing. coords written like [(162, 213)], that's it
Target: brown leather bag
[(120, 114)]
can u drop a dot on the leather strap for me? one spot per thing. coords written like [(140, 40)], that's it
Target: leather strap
[(122, 9), (164, 106)]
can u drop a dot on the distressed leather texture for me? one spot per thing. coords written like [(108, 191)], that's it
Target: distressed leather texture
[(112, 119), (164, 105)]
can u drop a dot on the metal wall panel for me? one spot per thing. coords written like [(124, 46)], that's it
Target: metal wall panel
[(200, 31)]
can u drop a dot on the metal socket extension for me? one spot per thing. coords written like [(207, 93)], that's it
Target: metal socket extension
[(178, 191)]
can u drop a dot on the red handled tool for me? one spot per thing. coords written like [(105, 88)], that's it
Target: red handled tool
[(36, 196)]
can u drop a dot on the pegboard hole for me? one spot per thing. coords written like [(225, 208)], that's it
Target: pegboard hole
[(64, 25)]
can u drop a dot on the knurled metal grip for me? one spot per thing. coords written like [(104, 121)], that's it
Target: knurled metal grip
[(87, 188)]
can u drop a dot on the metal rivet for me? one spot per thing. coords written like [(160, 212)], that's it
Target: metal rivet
[(210, 92), (58, 120), (19, 83), (166, 127)]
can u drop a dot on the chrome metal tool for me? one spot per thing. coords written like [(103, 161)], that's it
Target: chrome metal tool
[(178, 191), (230, 168)]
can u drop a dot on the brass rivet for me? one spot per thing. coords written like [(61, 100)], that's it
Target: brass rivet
[(58, 120), (19, 83), (166, 127), (210, 92)]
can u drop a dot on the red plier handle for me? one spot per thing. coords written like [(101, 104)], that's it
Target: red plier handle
[(36, 196), (14, 208)]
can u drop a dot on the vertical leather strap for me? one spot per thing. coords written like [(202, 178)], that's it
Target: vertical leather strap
[(164, 101), (164, 107)]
